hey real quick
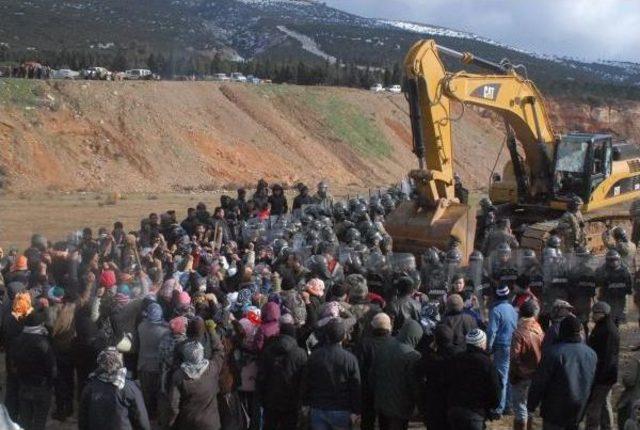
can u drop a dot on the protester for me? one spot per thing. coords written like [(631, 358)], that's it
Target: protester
[(502, 323), (34, 361), (562, 383), (240, 316), (526, 353), (332, 378), (110, 400), (605, 341), (393, 376), (473, 385), (280, 378)]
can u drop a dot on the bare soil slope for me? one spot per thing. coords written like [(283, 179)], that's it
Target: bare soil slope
[(162, 136)]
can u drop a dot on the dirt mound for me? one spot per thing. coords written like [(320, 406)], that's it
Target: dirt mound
[(161, 136)]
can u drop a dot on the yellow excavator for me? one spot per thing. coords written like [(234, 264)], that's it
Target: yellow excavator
[(544, 172)]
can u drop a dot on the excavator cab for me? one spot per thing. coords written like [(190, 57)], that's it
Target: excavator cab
[(582, 162)]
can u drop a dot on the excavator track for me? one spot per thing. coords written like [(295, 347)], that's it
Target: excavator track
[(534, 236)]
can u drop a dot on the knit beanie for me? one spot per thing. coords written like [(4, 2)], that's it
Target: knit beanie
[(107, 279), (503, 292), (476, 337), (178, 325), (110, 360)]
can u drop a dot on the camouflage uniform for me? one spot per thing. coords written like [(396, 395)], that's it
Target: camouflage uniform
[(572, 227)]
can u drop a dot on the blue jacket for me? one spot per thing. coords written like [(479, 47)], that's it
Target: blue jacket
[(562, 383), (503, 320)]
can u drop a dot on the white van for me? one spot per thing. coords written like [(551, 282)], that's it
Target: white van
[(377, 88), (220, 77), (136, 74), (395, 89)]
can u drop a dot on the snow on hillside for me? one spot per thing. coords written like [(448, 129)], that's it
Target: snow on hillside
[(308, 44)]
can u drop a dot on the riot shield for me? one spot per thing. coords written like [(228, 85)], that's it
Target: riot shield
[(556, 283), (581, 273), (502, 267)]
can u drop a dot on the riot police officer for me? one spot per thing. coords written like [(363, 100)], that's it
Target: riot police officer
[(582, 285), (614, 285)]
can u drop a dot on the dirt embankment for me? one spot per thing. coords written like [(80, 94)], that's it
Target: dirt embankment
[(173, 136)]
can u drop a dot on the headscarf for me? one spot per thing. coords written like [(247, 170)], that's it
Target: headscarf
[(110, 368), (21, 306), (107, 279), (315, 286), (330, 311), (19, 264), (194, 363), (166, 291), (178, 325), (153, 313)]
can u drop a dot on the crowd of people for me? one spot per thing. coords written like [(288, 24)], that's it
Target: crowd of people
[(265, 315)]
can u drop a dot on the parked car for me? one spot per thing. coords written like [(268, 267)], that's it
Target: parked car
[(377, 88), (254, 81), (138, 74), (64, 74), (220, 77), (238, 77), (396, 89), (96, 73)]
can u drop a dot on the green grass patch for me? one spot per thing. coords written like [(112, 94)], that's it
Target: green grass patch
[(20, 92), (349, 124)]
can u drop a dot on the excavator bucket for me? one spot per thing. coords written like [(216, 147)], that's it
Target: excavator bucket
[(414, 229)]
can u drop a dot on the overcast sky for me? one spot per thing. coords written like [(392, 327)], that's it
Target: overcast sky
[(585, 29)]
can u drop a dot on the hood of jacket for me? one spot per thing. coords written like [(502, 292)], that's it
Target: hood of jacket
[(410, 333)]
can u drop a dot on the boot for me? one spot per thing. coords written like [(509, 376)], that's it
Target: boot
[(519, 425)]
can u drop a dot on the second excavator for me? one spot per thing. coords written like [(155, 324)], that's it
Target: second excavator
[(545, 171)]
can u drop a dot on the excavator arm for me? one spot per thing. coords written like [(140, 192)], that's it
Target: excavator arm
[(517, 100)]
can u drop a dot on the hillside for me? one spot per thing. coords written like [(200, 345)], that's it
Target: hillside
[(189, 33), (143, 136), (174, 136)]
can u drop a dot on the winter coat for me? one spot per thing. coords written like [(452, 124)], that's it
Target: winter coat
[(432, 378), (148, 340), (472, 381), (280, 369), (526, 350), (105, 407), (403, 309), (33, 357), (563, 382), (394, 373), (333, 380), (270, 326), (605, 341), (367, 351), (194, 402), (460, 323)]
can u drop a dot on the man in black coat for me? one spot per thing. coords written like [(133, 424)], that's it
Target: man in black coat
[(563, 381), (473, 385), (279, 379), (110, 400), (367, 351), (332, 380), (458, 321), (605, 341), (35, 364)]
